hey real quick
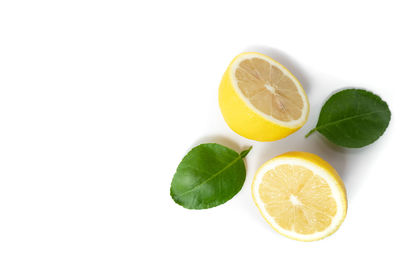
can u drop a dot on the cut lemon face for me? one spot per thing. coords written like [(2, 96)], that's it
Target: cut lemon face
[(260, 99), (300, 195)]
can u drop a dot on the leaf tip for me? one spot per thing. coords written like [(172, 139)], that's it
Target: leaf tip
[(245, 152)]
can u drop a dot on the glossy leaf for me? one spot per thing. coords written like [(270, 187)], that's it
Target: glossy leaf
[(353, 118), (208, 176)]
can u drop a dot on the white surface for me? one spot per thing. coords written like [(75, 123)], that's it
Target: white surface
[(100, 100)]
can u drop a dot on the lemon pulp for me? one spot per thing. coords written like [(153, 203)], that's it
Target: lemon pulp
[(260, 99), (268, 89), (300, 195)]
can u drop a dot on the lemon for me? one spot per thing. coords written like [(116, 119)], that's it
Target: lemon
[(300, 195), (260, 99)]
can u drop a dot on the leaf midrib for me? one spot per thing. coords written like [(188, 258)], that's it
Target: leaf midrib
[(212, 176), (348, 118)]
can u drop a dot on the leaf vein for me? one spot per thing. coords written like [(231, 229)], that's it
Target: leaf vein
[(349, 118), (212, 176)]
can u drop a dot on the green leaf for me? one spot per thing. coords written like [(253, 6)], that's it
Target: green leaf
[(208, 176), (353, 118)]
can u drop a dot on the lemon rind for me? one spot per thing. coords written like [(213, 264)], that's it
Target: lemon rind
[(294, 124), (329, 174)]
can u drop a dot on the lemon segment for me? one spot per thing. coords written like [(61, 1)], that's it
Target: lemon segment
[(300, 195), (260, 99)]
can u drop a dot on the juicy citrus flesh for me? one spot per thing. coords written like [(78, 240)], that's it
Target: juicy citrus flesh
[(297, 199), (301, 198), (260, 99), (269, 89)]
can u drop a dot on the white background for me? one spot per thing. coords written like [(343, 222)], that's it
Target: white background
[(100, 100)]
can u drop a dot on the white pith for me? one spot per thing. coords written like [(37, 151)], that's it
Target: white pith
[(336, 193), (294, 200), (290, 124)]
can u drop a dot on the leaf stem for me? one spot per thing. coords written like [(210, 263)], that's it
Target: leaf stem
[(245, 152), (310, 132)]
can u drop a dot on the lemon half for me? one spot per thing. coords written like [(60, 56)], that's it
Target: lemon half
[(260, 99), (300, 195)]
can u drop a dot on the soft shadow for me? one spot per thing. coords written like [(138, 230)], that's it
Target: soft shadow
[(338, 150), (345, 160), (314, 144), (285, 60)]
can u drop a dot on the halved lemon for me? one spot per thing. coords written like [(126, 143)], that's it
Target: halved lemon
[(300, 195), (260, 99)]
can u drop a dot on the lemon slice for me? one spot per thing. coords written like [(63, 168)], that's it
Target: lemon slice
[(300, 195), (260, 99)]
